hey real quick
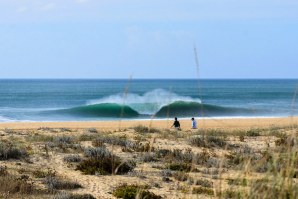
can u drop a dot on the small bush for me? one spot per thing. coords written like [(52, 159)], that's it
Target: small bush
[(40, 138), (181, 176), (65, 195), (9, 131), (44, 173), (144, 129), (238, 182), (253, 132), (3, 170), (179, 167), (163, 153), (204, 183), (9, 151), (97, 153), (54, 183), (149, 157), (105, 165), (15, 185), (47, 129), (65, 130), (72, 158), (208, 142), (88, 137), (133, 191), (166, 173), (177, 155), (63, 140), (91, 130), (98, 142), (202, 190)]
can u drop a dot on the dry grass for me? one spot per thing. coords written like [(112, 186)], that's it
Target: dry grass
[(209, 163)]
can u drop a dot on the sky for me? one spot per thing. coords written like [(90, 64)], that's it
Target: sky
[(148, 38)]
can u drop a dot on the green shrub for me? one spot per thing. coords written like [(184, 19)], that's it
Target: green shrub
[(208, 141), (98, 153), (44, 173), (133, 191), (240, 182), (181, 176), (9, 151), (105, 166), (91, 130), (179, 167), (253, 132), (145, 129), (65, 195), (72, 158), (202, 190), (204, 183)]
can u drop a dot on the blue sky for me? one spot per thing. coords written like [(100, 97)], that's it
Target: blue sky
[(148, 39)]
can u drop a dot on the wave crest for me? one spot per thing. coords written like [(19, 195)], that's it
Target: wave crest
[(148, 103)]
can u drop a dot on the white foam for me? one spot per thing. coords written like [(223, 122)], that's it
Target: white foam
[(149, 103), (5, 119)]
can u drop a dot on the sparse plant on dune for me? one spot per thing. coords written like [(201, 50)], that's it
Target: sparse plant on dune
[(102, 162), (65, 195), (55, 183), (134, 191), (9, 150)]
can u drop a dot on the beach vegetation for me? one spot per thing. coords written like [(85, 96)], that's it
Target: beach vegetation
[(43, 173), (72, 158), (145, 129), (66, 195), (9, 150), (203, 182), (54, 183), (3, 170), (181, 176), (91, 130), (102, 162), (134, 191), (208, 141), (149, 157), (202, 190), (179, 166), (17, 185), (65, 130)]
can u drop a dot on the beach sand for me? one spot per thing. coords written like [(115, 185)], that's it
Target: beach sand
[(233, 123)]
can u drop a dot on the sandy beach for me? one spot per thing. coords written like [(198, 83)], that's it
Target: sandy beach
[(233, 123)]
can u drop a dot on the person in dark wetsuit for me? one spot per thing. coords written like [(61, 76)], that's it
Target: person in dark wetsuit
[(176, 124)]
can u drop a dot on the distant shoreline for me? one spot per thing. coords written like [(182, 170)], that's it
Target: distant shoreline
[(231, 123)]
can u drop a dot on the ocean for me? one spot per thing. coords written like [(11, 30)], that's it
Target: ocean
[(92, 99)]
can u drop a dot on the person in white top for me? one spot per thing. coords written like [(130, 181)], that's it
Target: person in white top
[(194, 123)]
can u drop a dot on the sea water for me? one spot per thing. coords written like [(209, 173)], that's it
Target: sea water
[(92, 99)]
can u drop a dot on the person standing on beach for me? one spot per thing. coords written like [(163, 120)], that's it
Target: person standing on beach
[(176, 124), (193, 123)]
